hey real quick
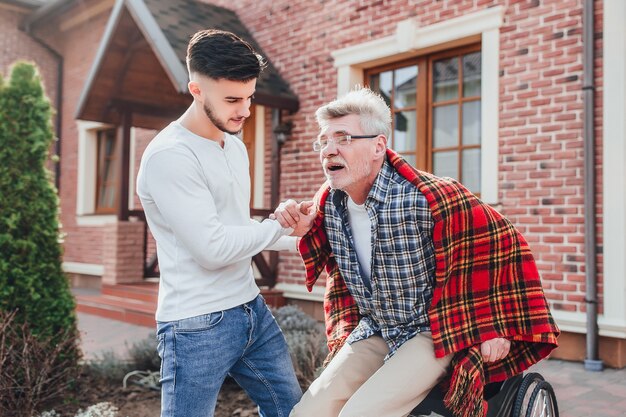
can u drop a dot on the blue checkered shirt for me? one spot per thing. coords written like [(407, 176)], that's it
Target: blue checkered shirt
[(394, 302)]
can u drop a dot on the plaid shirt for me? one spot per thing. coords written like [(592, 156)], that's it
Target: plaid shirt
[(395, 304)]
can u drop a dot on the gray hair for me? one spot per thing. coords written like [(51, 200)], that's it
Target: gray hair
[(369, 106)]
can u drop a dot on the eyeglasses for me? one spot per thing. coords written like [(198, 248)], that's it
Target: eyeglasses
[(339, 140)]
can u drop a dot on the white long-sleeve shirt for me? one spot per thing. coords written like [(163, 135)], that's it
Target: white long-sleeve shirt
[(196, 196)]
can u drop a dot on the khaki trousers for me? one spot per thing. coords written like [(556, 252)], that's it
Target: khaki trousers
[(358, 383)]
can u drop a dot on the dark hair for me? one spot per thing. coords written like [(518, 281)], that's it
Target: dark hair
[(219, 54)]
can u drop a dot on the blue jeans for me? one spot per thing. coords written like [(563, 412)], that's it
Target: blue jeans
[(244, 342)]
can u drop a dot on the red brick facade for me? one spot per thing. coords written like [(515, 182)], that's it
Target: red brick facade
[(15, 45), (78, 46), (122, 262)]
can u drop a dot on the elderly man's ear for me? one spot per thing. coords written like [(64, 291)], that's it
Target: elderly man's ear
[(381, 146)]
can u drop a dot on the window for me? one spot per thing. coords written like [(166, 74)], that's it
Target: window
[(436, 107), (107, 171)]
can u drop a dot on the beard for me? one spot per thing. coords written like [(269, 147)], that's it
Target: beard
[(352, 175), (217, 122)]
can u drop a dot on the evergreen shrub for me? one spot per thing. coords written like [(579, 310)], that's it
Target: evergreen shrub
[(31, 279), (33, 288)]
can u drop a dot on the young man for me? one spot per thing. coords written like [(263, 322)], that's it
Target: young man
[(423, 278), (195, 189)]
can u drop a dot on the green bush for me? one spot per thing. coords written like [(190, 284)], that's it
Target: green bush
[(144, 356), (306, 340), (33, 287), (107, 366), (31, 279), (141, 356)]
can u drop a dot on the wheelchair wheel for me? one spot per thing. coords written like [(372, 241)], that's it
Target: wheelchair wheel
[(535, 398), (542, 402)]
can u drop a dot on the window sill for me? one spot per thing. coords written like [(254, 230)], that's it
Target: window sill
[(95, 219)]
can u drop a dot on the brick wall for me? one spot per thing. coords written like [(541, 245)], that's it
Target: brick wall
[(541, 136), (78, 45), (18, 45), (122, 260)]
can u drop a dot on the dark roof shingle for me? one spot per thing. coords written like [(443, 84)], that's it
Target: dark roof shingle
[(180, 19)]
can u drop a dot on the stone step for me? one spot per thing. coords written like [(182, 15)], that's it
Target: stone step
[(145, 291), (123, 309), (136, 303)]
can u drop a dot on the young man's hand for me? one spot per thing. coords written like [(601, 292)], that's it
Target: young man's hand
[(298, 216), (495, 349)]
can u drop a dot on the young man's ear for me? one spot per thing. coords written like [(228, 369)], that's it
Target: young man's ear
[(194, 90)]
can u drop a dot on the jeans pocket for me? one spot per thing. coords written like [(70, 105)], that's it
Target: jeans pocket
[(199, 323)]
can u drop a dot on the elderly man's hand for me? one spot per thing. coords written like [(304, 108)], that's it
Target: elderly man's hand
[(495, 349), (298, 216)]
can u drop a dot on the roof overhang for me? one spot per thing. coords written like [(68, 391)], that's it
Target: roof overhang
[(139, 69), (44, 10), (25, 4)]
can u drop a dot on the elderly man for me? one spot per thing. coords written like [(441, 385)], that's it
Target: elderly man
[(424, 280)]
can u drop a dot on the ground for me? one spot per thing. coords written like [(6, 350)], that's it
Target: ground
[(135, 401)]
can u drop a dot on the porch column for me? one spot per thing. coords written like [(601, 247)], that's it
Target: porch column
[(123, 241), (127, 120)]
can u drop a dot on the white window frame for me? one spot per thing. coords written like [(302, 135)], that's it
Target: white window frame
[(299, 292), (411, 40), (86, 174), (83, 268)]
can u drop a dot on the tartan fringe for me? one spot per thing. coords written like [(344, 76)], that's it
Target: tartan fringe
[(465, 394), (333, 347)]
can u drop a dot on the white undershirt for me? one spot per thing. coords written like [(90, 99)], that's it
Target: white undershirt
[(362, 236)]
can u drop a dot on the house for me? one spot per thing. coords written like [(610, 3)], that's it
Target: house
[(522, 100)]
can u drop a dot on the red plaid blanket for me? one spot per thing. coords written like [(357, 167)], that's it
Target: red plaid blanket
[(486, 286)]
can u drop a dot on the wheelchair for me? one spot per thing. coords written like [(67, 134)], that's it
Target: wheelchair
[(527, 395)]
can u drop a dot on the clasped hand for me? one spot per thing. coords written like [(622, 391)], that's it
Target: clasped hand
[(298, 216), (495, 349)]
